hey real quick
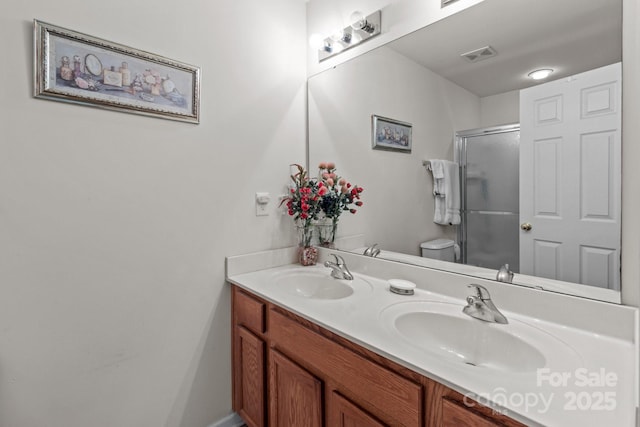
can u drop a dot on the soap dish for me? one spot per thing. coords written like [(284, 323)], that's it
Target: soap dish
[(401, 287)]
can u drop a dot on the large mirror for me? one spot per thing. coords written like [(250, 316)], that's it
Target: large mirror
[(423, 79)]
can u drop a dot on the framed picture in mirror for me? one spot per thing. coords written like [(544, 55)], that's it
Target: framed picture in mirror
[(390, 134)]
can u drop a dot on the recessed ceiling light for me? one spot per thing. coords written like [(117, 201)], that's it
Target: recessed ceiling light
[(540, 74)]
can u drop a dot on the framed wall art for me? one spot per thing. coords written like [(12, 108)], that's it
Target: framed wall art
[(389, 134), (82, 69)]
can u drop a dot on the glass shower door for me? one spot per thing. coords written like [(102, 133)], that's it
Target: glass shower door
[(489, 164)]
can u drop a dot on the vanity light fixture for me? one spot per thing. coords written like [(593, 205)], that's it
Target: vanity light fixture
[(362, 29), (540, 74), (359, 22)]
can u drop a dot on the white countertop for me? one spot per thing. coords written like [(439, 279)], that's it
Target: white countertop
[(594, 384)]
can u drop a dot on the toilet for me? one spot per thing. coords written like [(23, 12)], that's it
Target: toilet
[(442, 249)]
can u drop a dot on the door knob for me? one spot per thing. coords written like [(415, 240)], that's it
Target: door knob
[(526, 226)]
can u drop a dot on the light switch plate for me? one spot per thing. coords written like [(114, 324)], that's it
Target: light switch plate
[(262, 203)]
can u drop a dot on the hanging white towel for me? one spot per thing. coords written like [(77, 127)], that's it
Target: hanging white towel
[(446, 191)]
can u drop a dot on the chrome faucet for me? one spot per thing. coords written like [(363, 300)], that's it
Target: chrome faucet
[(372, 251), (504, 274), (481, 307), (339, 268)]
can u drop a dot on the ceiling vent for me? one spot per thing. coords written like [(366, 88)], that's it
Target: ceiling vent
[(480, 54)]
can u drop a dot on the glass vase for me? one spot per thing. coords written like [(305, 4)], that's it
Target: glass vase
[(307, 254), (327, 232)]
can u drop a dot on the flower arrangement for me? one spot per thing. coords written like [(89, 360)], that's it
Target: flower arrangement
[(337, 196), (313, 200), (303, 202)]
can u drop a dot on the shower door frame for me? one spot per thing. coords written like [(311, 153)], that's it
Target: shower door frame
[(460, 157)]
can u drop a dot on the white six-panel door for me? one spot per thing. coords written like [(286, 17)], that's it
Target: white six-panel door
[(570, 174)]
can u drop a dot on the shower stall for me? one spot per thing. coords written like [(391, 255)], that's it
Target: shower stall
[(489, 204)]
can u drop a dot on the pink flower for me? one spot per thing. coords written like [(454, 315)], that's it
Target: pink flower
[(348, 185), (332, 175), (322, 190), (326, 175), (291, 212), (304, 207), (342, 181), (331, 165), (293, 191), (304, 215), (322, 165), (358, 203), (330, 182), (344, 190)]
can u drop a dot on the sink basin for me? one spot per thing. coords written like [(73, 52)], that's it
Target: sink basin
[(444, 331), (317, 283)]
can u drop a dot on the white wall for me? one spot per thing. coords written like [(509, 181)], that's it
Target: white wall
[(398, 204), (500, 109), (114, 227)]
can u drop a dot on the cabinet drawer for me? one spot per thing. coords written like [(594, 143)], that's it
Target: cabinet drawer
[(393, 399), (455, 414), (248, 311)]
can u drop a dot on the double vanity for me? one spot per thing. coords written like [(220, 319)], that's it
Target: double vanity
[(311, 347)]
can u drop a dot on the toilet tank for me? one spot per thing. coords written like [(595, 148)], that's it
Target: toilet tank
[(442, 249)]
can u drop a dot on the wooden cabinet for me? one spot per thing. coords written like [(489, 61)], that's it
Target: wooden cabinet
[(249, 359), (346, 414), (249, 378), (455, 414), (448, 408), (289, 372), (295, 394), (389, 396)]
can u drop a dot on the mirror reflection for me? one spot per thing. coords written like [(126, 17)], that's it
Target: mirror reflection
[(538, 161)]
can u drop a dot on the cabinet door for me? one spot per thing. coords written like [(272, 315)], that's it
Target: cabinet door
[(456, 415), (295, 395), (343, 413), (249, 378)]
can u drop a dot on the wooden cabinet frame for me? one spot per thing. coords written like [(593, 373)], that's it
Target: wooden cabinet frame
[(339, 383)]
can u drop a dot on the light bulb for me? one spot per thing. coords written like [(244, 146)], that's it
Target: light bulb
[(316, 41), (336, 34), (540, 74), (357, 20)]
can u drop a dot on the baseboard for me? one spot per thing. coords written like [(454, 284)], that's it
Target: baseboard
[(232, 420)]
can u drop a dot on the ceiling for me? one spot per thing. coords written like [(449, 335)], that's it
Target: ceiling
[(569, 36)]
